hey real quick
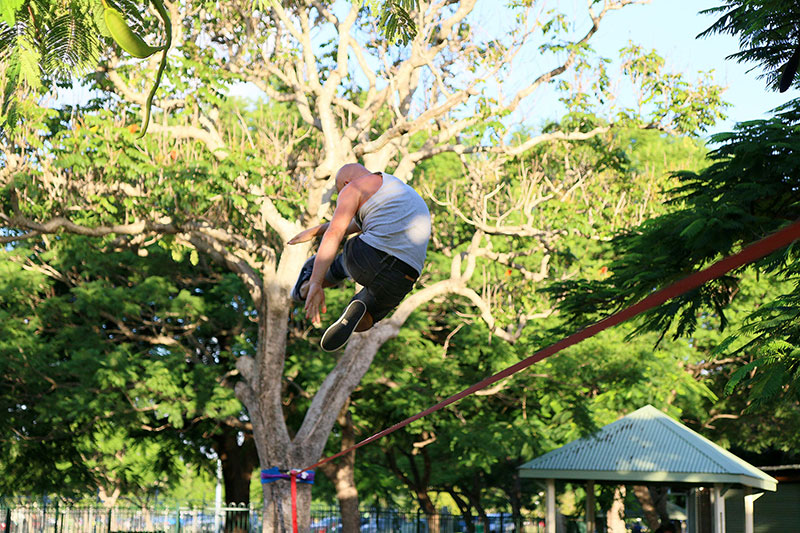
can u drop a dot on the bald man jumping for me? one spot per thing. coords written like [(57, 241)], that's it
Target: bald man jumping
[(387, 256)]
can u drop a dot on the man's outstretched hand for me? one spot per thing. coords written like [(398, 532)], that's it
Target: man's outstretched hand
[(315, 300), (304, 236)]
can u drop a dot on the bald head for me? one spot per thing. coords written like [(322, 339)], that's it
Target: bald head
[(348, 173)]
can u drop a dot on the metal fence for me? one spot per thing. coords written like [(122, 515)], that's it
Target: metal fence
[(68, 519), (57, 518), (390, 520)]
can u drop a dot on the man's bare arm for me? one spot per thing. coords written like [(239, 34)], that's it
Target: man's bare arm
[(307, 235), (346, 207)]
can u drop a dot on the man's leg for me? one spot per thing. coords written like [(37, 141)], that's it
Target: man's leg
[(384, 288), (361, 265), (334, 276), (367, 307)]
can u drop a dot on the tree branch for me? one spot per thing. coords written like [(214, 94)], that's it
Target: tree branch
[(155, 340), (212, 247), (56, 224)]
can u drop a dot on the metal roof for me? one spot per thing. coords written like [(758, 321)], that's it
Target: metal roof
[(647, 446)]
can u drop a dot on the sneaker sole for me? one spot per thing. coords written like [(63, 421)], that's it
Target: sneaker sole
[(340, 331)]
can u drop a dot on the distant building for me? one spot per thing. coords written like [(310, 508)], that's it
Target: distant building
[(777, 512)]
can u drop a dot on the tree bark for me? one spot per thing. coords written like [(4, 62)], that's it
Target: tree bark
[(465, 508), (238, 463), (659, 496), (615, 522), (648, 506), (474, 497), (514, 494), (342, 475), (417, 482), (654, 504)]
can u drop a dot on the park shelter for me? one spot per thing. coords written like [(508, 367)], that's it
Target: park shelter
[(647, 447)]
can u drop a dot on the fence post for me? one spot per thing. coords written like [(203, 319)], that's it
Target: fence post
[(109, 520), (55, 525), (8, 520), (418, 519), (501, 522), (178, 518)]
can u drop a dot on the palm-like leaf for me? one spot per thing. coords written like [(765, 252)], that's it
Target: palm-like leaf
[(769, 34), (68, 47), (50, 39)]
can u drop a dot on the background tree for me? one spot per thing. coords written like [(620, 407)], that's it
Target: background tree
[(742, 196), (54, 41), (140, 373)]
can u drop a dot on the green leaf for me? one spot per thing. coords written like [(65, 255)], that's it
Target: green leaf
[(8, 10), (177, 253), (29, 58), (740, 374), (693, 229)]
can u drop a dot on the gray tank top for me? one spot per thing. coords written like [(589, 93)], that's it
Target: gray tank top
[(396, 220)]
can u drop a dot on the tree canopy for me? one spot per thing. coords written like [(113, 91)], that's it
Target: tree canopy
[(748, 190)]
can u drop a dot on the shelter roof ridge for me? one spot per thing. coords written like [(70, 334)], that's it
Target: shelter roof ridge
[(647, 444)]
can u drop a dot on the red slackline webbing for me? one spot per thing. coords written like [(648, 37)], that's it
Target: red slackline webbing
[(293, 475), (754, 251)]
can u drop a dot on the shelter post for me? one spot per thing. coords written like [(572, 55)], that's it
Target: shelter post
[(590, 525), (550, 523), (719, 508), (691, 511), (749, 499)]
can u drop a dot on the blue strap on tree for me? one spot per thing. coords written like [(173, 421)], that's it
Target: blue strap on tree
[(274, 473)]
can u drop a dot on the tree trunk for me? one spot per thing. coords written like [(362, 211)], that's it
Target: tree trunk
[(514, 493), (260, 391), (238, 463), (429, 509), (342, 475), (278, 507), (465, 509), (648, 506), (109, 499), (474, 497), (654, 504), (417, 481), (659, 496), (615, 522), (261, 386)]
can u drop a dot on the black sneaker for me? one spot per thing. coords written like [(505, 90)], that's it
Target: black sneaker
[(305, 275), (339, 332)]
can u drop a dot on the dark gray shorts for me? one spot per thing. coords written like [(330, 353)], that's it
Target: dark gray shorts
[(386, 279)]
